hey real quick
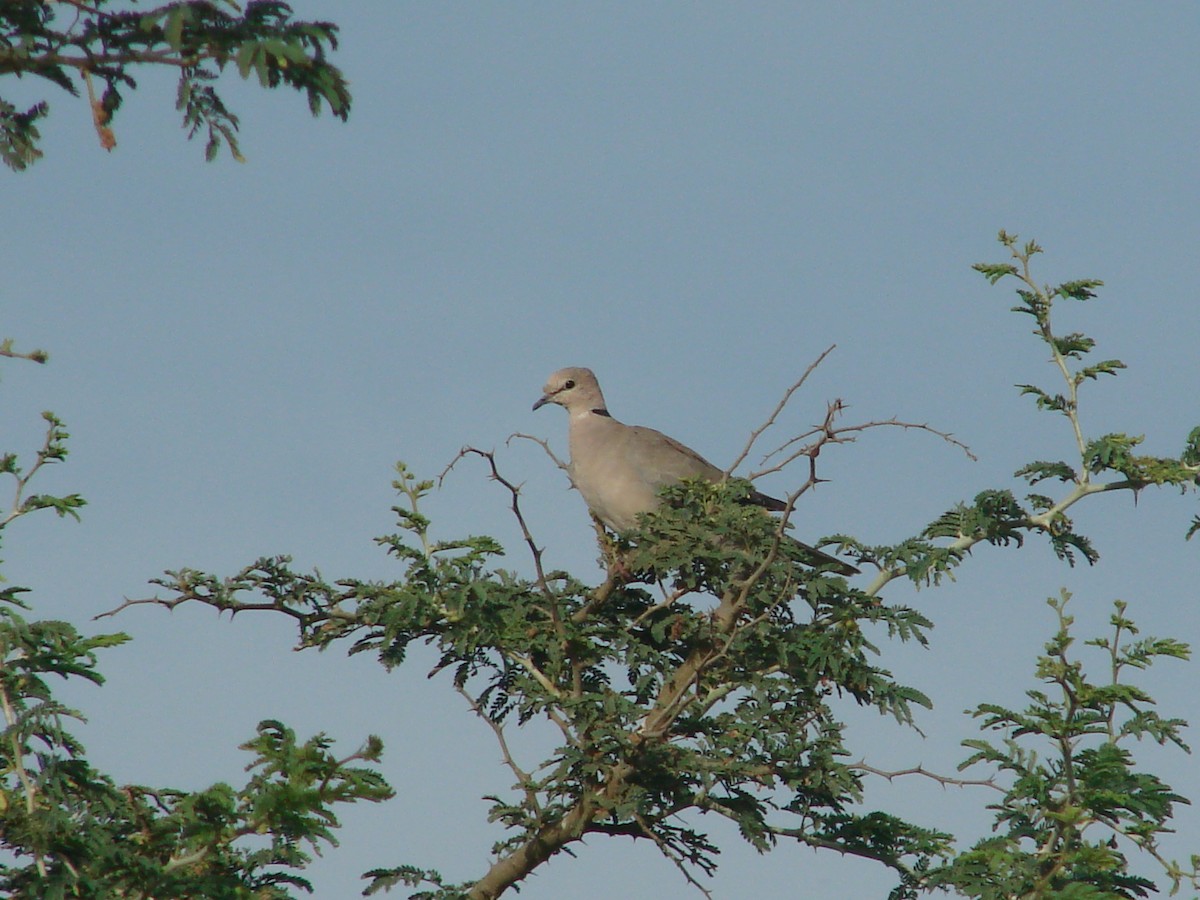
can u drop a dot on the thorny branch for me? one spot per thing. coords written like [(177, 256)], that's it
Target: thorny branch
[(221, 596), (943, 780), (544, 444), (779, 407), (514, 491), (523, 778), (665, 849), (846, 434), (802, 835)]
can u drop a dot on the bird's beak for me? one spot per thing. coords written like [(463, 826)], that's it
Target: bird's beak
[(541, 403)]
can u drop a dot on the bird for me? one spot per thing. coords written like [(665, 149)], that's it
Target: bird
[(620, 469)]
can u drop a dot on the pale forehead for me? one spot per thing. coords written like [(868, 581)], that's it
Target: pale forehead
[(578, 374)]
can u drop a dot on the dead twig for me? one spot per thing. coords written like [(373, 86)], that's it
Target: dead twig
[(100, 115), (514, 491), (846, 434), (666, 850), (783, 401), (523, 778), (544, 444)]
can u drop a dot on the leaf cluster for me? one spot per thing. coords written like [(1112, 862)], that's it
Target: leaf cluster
[(70, 831), (1076, 801), (105, 41), (53, 450)]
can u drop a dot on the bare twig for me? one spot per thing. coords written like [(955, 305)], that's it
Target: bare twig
[(846, 434), (153, 601), (544, 444), (783, 401), (514, 491), (665, 849), (523, 778)]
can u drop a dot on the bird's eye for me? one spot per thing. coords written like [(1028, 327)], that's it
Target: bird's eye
[(568, 385)]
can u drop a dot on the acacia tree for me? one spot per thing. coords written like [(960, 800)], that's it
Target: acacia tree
[(97, 45), (705, 673)]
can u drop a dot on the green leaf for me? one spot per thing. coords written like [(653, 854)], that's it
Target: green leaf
[(1107, 367), (247, 57), (1040, 471), (1073, 345), (1083, 289), (177, 17), (993, 272), (1191, 449)]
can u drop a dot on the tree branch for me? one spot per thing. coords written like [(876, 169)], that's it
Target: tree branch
[(544, 444), (779, 407), (523, 778), (944, 780), (514, 491), (29, 789)]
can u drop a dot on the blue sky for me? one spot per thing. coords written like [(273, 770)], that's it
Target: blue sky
[(694, 200)]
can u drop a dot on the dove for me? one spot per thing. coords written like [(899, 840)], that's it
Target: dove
[(620, 469)]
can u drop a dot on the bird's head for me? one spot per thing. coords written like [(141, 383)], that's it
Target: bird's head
[(574, 389)]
